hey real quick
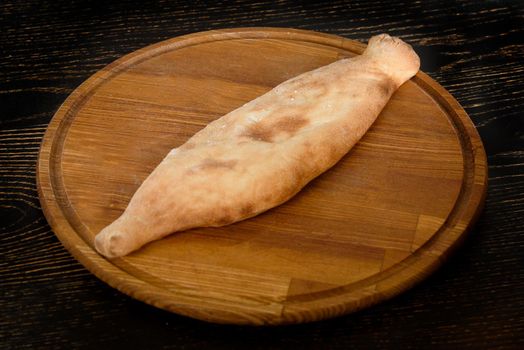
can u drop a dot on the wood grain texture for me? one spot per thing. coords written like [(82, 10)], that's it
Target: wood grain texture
[(383, 218), (474, 49)]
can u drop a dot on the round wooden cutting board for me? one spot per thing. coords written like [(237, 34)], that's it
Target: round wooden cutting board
[(379, 221)]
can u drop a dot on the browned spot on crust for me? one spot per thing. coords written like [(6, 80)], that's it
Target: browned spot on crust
[(290, 124), (226, 220), (381, 87), (210, 163), (259, 132), (385, 88), (334, 153), (266, 130), (268, 198), (316, 84), (247, 209)]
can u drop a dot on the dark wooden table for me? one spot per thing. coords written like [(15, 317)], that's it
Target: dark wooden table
[(47, 300)]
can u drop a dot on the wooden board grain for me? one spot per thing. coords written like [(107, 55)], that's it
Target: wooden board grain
[(379, 221)]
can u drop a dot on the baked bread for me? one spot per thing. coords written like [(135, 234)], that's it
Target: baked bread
[(261, 154)]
